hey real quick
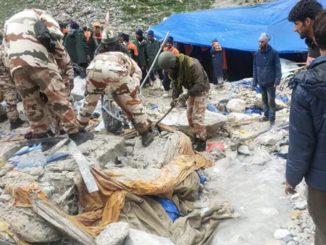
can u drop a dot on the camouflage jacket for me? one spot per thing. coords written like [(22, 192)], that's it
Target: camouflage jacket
[(21, 45), (4, 70), (119, 63)]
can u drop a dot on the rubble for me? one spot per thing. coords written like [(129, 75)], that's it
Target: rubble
[(113, 234), (236, 105), (248, 172), (178, 118)]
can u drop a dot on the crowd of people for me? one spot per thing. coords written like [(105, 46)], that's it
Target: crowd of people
[(39, 57)]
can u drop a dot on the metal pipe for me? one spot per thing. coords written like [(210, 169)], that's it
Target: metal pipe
[(156, 57)]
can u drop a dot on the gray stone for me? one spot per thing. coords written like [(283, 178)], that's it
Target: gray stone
[(281, 234), (113, 234), (291, 243), (244, 150), (3, 172), (271, 138), (236, 105), (28, 225), (178, 118), (5, 198), (137, 237), (300, 205)]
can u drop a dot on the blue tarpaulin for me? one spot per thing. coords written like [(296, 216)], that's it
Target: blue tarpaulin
[(236, 27)]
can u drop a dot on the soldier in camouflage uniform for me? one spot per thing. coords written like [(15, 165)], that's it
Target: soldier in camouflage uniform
[(187, 72), (118, 74), (9, 94), (32, 45)]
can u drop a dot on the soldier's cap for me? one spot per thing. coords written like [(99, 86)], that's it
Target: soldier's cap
[(96, 24)]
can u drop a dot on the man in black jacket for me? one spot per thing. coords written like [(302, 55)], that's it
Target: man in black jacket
[(267, 73), (303, 15), (307, 134)]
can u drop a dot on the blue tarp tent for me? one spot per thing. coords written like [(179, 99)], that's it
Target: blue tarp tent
[(236, 27)]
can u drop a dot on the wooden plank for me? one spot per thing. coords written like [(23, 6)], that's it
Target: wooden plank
[(58, 219), (55, 148), (83, 165)]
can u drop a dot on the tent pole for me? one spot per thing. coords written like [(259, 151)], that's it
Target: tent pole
[(156, 57)]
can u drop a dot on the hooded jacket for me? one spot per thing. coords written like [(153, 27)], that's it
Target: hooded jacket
[(307, 133), (267, 68)]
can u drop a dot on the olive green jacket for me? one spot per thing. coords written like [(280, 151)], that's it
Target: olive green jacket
[(191, 75)]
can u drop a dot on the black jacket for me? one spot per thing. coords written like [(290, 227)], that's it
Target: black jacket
[(307, 146), (267, 68)]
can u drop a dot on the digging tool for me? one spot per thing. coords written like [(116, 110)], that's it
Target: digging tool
[(164, 116)]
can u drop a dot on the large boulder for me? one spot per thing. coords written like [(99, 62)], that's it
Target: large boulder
[(178, 118), (140, 237), (113, 234), (236, 105), (27, 225)]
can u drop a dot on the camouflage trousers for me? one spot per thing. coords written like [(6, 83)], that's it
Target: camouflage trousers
[(124, 93), (30, 83), (9, 94), (196, 107)]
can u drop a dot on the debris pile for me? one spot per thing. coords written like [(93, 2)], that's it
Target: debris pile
[(113, 189)]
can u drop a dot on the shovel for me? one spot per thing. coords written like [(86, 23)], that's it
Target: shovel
[(164, 116)]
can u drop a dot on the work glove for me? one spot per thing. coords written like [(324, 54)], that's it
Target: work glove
[(174, 103)]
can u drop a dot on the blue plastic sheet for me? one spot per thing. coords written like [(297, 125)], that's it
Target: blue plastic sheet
[(285, 99), (153, 107), (254, 110), (169, 207), (211, 107), (202, 178), (29, 148), (57, 156), (36, 159), (236, 27), (246, 83)]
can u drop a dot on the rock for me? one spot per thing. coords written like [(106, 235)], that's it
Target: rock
[(291, 243), (238, 117), (300, 205), (5, 198), (259, 157), (178, 118), (3, 172), (28, 225), (113, 234), (284, 149), (236, 105), (97, 154), (281, 234), (244, 150), (137, 237), (271, 138)]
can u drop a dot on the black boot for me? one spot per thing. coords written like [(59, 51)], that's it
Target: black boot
[(147, 138), (81, 137), (16, 124), (199, 145), (30, 135)]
